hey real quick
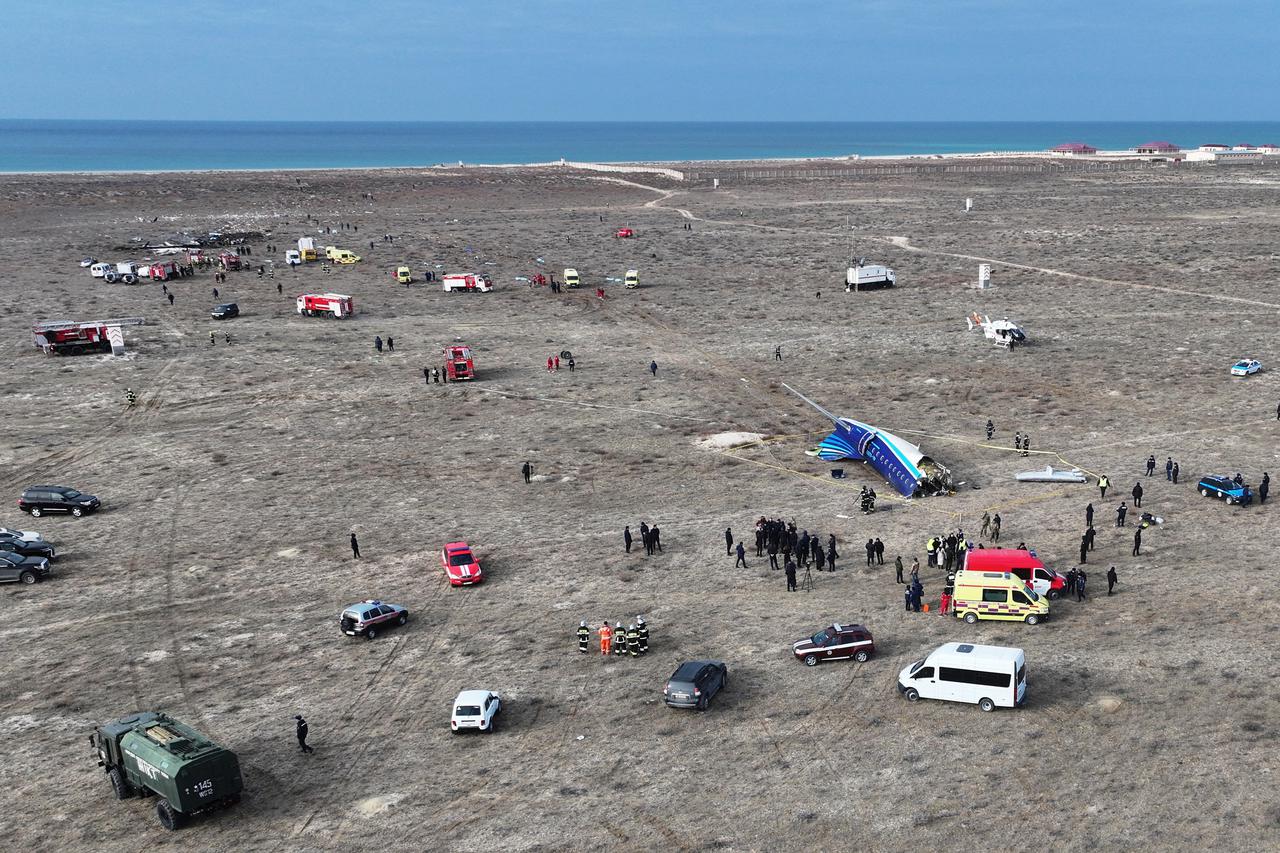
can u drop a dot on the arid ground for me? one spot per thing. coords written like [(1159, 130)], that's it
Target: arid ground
[(210, 583)]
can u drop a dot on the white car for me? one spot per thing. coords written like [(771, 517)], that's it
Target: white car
[(88, 262), (475, 709), (24, 535), (1245, 367)]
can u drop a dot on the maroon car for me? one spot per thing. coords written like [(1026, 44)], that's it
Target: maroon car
[(835, 642)]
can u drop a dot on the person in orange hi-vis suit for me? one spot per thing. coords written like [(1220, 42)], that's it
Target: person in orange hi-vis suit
[(606, 639)]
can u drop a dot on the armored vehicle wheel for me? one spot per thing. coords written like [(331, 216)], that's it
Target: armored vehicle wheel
[(170, 819), (810, 660), (27, 577), (118, 784)]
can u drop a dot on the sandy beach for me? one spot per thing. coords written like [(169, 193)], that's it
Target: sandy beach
[(210, 583)]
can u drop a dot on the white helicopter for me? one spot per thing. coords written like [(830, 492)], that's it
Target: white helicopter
[(1003, 333)]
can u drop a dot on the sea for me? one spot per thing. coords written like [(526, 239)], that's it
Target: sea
[(29, 145)]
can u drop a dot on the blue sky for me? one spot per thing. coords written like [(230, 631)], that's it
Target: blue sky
[(839, 60)]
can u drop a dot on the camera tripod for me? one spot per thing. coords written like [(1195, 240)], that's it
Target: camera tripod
[(806, 583)]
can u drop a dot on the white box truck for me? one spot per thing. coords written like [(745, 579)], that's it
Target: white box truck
[(862, 276)]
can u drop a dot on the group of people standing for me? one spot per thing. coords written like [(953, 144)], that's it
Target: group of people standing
[(775, 536), (616, 641), (650, 537)]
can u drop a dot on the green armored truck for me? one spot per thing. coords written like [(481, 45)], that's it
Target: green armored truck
[(150, 753)]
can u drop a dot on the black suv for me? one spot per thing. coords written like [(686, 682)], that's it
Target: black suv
[(14, 568), (694, 683), (225, 311), (38, 500), (23, 548)]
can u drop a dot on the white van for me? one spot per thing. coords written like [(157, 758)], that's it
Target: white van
[(989, 676)]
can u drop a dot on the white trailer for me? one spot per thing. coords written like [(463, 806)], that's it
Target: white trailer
[(862, 275)]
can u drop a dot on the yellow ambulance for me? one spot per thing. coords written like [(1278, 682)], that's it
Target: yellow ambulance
[(403, 275), (997, 595)]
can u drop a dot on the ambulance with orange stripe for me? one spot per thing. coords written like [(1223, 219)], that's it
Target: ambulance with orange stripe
[(997, 595)]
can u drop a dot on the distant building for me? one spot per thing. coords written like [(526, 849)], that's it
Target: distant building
[(1072, 149), (1244, 146), (1215, 146), (1157, 148), (1269, 148), (1224, 155)]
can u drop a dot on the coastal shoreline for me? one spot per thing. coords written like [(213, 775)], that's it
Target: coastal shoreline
[(846, 159)]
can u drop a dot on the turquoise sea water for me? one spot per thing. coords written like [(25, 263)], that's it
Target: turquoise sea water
[(63, 146)]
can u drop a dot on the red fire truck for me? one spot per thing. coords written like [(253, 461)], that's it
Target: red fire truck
[(229, 260), (458, 363), (467, 282), (624, 233), (68, 336), (322, 304)]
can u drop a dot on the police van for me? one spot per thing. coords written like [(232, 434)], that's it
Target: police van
[(997, 595), (987, 676)]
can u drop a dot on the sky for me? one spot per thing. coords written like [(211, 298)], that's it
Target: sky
[(662, 60)]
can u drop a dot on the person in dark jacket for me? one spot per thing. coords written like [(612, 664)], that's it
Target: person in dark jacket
[(871, 552), (1112, 579), (791, 576), (302, 730), (527, 470), (626, 538), (879, 550), (742, 557), (1264, 486), (355, 547), (1137, 495), (728, 541), (1088, 516)]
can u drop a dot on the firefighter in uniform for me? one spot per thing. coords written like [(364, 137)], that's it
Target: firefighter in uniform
[(619, 640), (633, 641), (130, 397), (606, 639), (584, 636), (642, 634)]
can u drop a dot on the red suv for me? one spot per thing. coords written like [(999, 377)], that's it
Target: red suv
[(837, 642)]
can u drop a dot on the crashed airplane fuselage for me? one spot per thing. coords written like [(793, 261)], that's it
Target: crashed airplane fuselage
[(899, 461)]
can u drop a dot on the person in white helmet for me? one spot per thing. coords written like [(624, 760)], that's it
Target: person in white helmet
[(584, 636), (642, 634)]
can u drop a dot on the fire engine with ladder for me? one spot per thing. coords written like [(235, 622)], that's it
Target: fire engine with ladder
[(458, 364), (61, 337)]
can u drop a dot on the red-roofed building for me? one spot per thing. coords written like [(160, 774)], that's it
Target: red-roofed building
[(1157, 148), (1073, 148)]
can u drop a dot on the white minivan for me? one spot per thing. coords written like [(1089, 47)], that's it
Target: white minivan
[(987, 676)]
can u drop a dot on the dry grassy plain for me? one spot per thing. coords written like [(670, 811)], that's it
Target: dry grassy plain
[(210, 583)]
